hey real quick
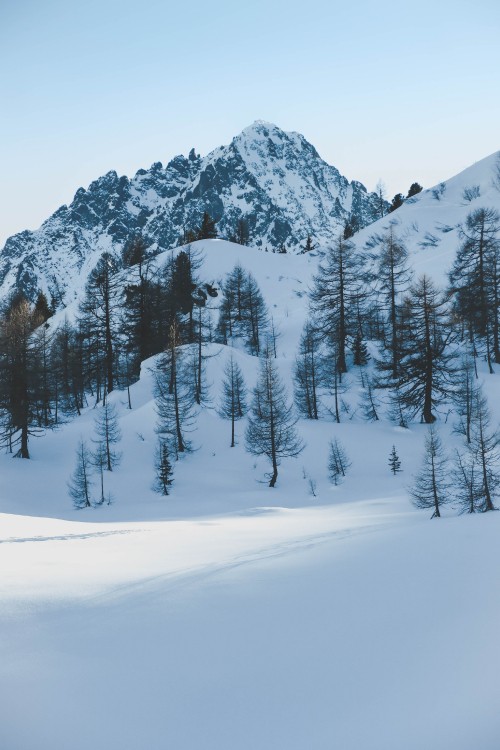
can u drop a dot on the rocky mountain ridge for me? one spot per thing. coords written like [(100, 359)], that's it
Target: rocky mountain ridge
[(275, 181)]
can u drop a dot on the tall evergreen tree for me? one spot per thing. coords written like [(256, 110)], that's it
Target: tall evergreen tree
[(393, 278), (242, 236), (174, 397), (333, 297), (42, 309), (426, 366), (368, 401), (431, 487), (20, 366), (308, 373), (108, 433), (475, 277), (485, 447), (464, 394), (100, 323), (233, 404), (271, 424), (140, 308), (79, 486), (360, 355)]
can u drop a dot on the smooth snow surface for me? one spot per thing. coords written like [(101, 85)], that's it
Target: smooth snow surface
[(229, 616), (356, 626)]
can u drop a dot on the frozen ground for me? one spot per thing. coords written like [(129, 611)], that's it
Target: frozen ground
[(359, 626)]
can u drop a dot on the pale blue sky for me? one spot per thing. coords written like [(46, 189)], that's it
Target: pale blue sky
[(400, 91)]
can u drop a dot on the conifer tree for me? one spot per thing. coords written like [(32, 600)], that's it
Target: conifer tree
[(394, 461), (174, 397), (396, 202), (108, 433), (485, 446), (99, 323), (475, 278), (397, 407), (79, 485), (20, 365), (233, 405), (338, 461), (66, 366), (369, 402), (426, 365), (431, 486), (464, 395), (308, 374), (381, 199), (271, 423), (140, 306), (360, 355), (242, 311), (332, 378), (242, 236), (45, 384), (257, 316), (393, 277), (467, 485), (351, 226), (309, 246), (414, 189), (334, 296), (163, 468), (42, 309), (231, 306), (207, 231), (99, 461)]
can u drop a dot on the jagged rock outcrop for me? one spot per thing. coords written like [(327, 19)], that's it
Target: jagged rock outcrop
[(274, 180)]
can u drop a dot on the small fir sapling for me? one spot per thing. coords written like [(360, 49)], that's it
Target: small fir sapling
[(431, 487), (394, 461), (338, 462), (164, 470)]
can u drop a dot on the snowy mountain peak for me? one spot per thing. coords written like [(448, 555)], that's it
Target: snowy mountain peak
[(274, 180)]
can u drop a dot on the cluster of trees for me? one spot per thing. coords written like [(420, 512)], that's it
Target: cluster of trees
[(130, 304), (398, 200), (102, 458), (242, 312), (471, 477), (419, 329)]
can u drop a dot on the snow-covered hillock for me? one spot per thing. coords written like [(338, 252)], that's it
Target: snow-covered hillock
[(429, 223)]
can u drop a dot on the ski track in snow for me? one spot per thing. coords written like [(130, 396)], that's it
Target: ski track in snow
[(67, 537)]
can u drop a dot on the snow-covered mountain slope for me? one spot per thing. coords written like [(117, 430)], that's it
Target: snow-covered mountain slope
[(233, 616), (275, 181), (429, 222)]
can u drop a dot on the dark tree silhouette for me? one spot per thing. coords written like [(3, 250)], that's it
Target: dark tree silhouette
[(271, 423), (431, 487), (233, 404), (79, 486)]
